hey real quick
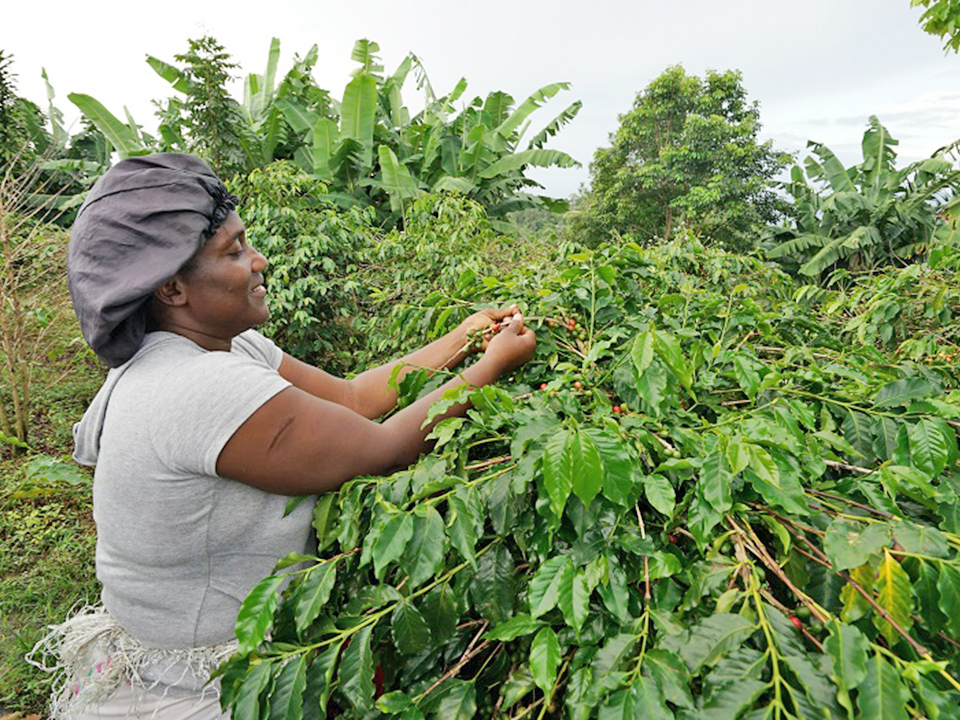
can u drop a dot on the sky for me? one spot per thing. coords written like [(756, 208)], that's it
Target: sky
[(818, 68)]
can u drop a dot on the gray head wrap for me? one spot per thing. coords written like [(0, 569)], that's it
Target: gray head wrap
[(138, 226)]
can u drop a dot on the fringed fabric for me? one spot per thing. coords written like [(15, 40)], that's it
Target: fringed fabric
[(90, 656)]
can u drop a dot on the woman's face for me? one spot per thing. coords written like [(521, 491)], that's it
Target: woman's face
[(224, 287)]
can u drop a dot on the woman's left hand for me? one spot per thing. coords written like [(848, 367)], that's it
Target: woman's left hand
[(484, 322)]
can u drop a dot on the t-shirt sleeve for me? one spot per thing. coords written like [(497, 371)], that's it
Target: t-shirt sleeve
[(209, 398), (254, 345)]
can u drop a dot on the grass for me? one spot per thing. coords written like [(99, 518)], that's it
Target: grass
[(47, 536)]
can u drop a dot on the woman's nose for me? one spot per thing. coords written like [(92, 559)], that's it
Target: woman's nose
[(259, 260)]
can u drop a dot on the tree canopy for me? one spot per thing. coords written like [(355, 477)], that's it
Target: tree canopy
[(687, 150), (866, 216), (941, 18)]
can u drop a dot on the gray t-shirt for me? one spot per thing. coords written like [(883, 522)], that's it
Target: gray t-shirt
[(179, 547)]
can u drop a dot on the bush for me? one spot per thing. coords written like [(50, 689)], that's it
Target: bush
[(314, 250), (698, 500)]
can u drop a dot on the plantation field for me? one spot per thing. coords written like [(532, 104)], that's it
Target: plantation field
[(713, 492), (726, 486)]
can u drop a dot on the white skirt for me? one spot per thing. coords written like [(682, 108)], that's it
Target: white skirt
[(101, 671)]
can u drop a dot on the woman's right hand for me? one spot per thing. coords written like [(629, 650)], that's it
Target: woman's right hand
[(298, 444), (512, 346)]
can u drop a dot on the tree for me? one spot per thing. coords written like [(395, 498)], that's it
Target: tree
[(865, 216), (687, 151), (941, 18), (367, 147), (22, 137), (212, 119), (372, 152)]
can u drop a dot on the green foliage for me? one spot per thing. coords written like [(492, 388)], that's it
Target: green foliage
[(314, 250), (866, 216), (22, 137), (371, 151), (366, 147), (941, 18), (208, 119), (686, 153), (913, 311), (556, 556), (46, 560), (447, 242)]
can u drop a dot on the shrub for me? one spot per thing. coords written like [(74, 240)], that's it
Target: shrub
[(314, 250), (698, 500)]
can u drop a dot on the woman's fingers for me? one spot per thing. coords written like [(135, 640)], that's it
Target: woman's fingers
[(502, 313)]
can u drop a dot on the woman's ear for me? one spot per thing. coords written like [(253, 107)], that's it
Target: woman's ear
[(171, 293)]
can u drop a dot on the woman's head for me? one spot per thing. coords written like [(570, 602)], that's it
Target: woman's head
[(141, 224), (218, 294)]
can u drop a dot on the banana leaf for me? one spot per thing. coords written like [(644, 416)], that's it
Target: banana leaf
[(525, 108), (358, 114), (125, 140), (538, 158), (169, 73)]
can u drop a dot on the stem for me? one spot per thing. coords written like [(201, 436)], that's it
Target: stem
[(755, 546), (471, 483), (920, 649), (845, 466), (548, 698), (849, 406), (753, 587), (467, 656), (484, 464), (529, 709), (854, 503)]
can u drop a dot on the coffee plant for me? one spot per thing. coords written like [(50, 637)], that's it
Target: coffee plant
[(701, 499), (314, 250)]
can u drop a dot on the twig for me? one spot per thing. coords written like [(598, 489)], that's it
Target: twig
[(488, 463), (854, 503), (548, 697), (663, 442), (768, 596), (470, 623), (745, 338), (845, 466), (728, 403), (572, 349), (529, 709), (780, 351), (814, 559), (496, 708), (467, 656), (755, 546), (782, 519), (921, 650), (646, 580), (825, 562)]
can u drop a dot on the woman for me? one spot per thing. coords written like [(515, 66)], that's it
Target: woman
[(203, 428)]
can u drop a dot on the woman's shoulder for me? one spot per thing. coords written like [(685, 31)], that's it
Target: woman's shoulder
[(253, 344)]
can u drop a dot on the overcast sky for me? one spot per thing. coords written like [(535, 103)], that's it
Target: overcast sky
[(819, 68)]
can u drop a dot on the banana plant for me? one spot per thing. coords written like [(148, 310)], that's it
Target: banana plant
[(369, 149), (475, 149), (865, 216), (125, 138)]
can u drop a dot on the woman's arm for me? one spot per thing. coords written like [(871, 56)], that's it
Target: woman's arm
[(369, 394), (297, 443)]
